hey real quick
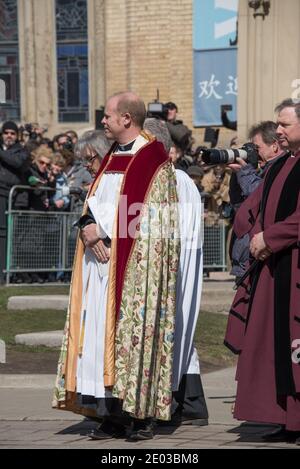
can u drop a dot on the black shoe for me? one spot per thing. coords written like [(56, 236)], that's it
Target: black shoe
[(281, 434), (298, 441), (107, 430), (141, 430)]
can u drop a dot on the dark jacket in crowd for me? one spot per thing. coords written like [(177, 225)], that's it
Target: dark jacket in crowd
[(39, 198), (14, 163)]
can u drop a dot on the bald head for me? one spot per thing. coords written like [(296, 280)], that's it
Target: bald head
[(131, 103), (124, 117)]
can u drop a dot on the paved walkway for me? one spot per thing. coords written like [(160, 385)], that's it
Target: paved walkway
[(27, 421)]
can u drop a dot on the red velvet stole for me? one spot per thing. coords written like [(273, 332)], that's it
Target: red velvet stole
[(118, 164), (136, 184), (140, 170)]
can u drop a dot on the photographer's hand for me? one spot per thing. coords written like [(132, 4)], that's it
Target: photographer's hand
[(240, 163)]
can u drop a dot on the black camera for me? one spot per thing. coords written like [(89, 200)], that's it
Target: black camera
[(30, 130), (157, 110), (68, 145), (247, 152)]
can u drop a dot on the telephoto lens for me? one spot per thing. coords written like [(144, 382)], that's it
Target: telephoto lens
[(215, 156)]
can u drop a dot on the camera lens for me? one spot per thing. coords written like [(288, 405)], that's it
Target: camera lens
[(215, 156)]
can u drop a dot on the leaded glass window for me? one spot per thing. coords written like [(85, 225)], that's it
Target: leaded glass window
[(72, 60), (9, 60)]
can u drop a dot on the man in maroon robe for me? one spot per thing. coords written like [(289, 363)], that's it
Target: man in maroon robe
[(264, 320)]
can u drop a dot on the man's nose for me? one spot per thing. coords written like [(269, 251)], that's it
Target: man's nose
[(279, 129)]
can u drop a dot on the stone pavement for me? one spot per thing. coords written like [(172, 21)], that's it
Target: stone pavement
[(27, 420)]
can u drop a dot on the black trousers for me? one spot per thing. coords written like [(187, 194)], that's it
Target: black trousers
[(189, 399)]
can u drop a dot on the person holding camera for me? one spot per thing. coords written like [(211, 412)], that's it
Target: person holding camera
[(246, 179), (180, 133), (39, 175), (263, 324)]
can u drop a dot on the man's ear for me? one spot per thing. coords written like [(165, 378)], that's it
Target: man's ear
[(127, 119)]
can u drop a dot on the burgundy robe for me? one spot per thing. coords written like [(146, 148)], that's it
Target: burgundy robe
[(264, 320)]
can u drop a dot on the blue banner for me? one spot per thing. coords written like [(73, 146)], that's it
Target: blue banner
[(215, 23), (215, 83)]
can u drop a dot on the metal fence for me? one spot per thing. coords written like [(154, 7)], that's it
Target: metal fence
[(214, 247), (46, 241)]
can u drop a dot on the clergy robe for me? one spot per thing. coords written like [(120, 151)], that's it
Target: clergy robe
[(119, 334), (264, 320)]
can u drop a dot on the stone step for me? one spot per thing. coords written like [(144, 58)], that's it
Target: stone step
[(21, 381), (210, 285), (218, 295), (211, 291), (214, 307), (58, 302), (48, 339)]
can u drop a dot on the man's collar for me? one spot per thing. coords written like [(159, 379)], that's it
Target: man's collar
[(125, 148)]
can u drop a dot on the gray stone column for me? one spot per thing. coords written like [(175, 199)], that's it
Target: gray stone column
[(96, 38), (268, 60), (38, 61)]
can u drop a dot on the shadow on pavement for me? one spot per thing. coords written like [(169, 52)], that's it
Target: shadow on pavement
[(80, 428), (252, 432)]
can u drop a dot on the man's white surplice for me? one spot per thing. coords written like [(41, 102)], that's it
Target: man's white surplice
[(189, 280)]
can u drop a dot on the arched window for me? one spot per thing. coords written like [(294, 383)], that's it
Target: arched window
[(72, 60), (9, 61)]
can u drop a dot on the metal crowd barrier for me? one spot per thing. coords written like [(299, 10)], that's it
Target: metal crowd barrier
[(214, 247), (46, 241), (39, 241)]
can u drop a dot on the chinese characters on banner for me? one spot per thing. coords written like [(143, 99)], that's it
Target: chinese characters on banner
[(215, 60)]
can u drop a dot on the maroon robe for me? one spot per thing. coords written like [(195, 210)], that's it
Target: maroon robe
[(264, 320)]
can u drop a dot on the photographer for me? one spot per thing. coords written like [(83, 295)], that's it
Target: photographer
[(180, 133), (39, 175), (265, 139), (31, 133), (246, 179)]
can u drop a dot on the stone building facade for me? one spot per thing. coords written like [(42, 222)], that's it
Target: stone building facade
[(145, 45)]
